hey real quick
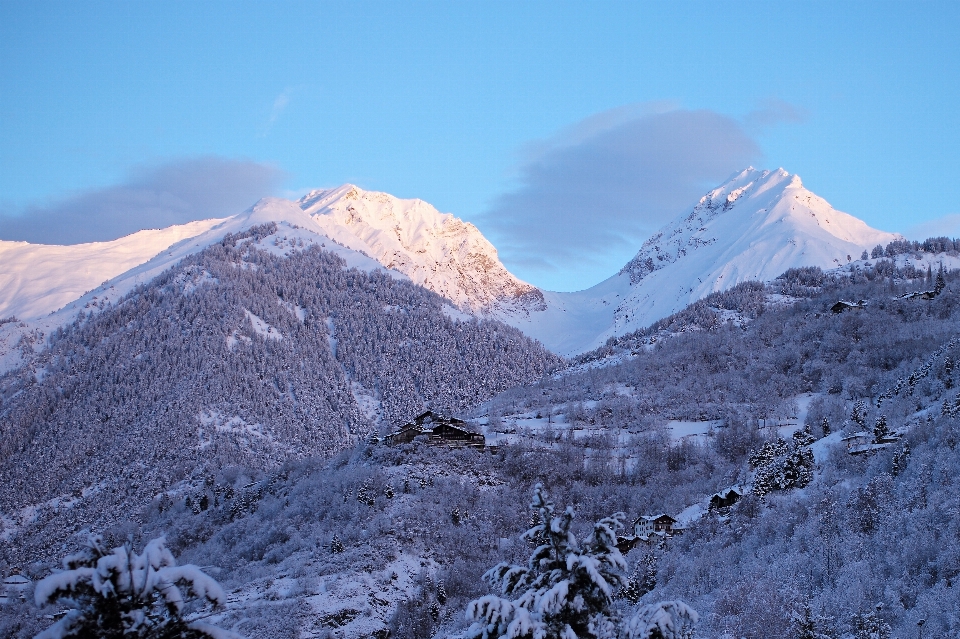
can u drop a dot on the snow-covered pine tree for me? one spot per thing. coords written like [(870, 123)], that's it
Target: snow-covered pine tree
[(642, 580), (120, 594), (566, 589), (662, 620), (859, 414), (780, 465), (880, 429)]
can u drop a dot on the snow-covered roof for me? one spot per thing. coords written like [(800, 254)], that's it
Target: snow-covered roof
[(653, 517)]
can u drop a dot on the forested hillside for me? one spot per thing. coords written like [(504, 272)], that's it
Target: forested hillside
[(237, 356), (393, 540)]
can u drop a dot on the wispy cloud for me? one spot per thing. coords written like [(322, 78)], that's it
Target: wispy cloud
[(946, 226), (151, 197), (280, 104), (589, 198), (773, 111)]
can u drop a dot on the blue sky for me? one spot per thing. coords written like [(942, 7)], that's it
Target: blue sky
[(487, 110)]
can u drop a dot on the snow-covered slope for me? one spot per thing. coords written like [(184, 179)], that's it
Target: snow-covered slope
[(50, 280), (754, 227), (38, 278), (435, 250)]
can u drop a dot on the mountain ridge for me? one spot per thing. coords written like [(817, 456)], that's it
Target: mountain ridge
[(754, 226)]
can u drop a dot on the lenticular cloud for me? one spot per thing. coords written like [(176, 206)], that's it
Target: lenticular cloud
[(593, 195)]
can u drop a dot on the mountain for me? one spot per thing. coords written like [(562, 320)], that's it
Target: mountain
[(44, 284), (754, 227), (261, 348), (435, 250)]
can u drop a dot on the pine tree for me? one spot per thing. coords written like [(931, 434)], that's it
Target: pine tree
[(336, 546), (859, 414), (566, 589), (825, 426), (941, 282), (870, 626), (642, 580), (119, 594), (880, 429)]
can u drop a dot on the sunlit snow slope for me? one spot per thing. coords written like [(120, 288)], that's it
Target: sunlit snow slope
[(754, 227), (436, 250), (38, 278), (50, 281)]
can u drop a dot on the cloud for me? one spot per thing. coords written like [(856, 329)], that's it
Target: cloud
[(589, 198), (774, 111), (279, 105), (151, 197), (946, 226)]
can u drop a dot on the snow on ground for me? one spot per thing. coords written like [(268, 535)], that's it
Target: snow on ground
[(754, 227), (436, 250), (262, 328), (367, 401), (18, 340), (248, 436), (680, 430)]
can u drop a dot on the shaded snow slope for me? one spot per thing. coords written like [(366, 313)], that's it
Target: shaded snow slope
[(754, 227), (37, 279), (435, 250)]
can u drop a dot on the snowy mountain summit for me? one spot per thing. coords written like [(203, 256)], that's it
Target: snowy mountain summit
[(754, 227), (435, 250)]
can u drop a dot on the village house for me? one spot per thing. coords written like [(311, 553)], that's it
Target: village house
[(647, 525), (843, 305), (439, 430), (865, 442), (726, 498)]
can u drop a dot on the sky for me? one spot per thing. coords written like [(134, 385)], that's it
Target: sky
[(567, 132)]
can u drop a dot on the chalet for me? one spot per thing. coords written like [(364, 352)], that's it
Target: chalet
[(646, 525), (403, 436), (843, 305), (919, 295), (865, 442), (627, 543), (14, 587), (439, 430), (452, 435), (726, 498)]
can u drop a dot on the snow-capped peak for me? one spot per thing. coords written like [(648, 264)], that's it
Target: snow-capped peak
[(755, 226), (436, 250), (756, 223)]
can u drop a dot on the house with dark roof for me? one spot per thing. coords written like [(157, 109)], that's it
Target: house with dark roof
[(439, 430), (726, 498), (843, 305), (647, 525)]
